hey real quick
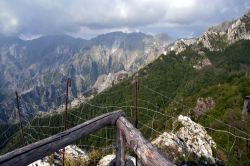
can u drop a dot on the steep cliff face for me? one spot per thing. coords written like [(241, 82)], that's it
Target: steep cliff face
[(38, 69)]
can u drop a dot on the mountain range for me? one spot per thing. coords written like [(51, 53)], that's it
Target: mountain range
[(38, 69)]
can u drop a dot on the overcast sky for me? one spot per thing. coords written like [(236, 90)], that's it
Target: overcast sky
[(88, 18)]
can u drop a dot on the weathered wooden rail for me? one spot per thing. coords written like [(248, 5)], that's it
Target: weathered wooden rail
[(125, 133)]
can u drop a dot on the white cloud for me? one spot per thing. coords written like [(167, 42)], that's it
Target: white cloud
[(90, 17)]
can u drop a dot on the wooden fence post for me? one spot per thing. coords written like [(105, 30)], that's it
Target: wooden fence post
[(136, 88), (120, 148), (65, 113), (143, 149)]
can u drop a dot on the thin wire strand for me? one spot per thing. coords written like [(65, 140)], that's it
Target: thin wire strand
[(191, 109)]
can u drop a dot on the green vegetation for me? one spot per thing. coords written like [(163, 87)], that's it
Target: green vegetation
[(168, 87), (218, 41)]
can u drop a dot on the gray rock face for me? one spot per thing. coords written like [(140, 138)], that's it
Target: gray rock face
[(108, 160), (226, 33), (218, 37), (39, 68), (204, 62), (181, 45), (105, 81), (203, 105), (188, 141)]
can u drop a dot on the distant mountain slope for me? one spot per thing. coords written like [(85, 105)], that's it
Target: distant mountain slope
[(38, 68)]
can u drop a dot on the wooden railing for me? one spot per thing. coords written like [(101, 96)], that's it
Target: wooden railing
[(125, 133)]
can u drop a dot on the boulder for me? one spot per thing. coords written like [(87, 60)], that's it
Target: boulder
[(188, 141)]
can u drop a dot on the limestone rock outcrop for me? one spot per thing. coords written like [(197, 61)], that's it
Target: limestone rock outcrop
[(187, 140)]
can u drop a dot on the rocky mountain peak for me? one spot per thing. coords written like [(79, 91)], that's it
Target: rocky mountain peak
[(220, 36), (223, 27)]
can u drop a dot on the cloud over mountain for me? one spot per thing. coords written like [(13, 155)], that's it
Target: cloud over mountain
[(88, 18)]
